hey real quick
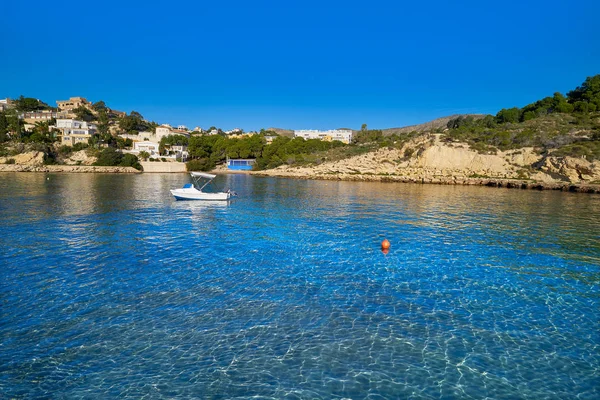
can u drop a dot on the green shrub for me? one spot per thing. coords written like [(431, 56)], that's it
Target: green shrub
[(38, 146), (80, 146), (50, 159), (109, 157), (201, 164), (65, 150), (588, 149), (130, 160)]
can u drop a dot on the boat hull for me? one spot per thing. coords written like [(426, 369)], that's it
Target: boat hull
[(193, 194)]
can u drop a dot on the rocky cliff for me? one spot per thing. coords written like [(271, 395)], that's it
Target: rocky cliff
[(428, 159)]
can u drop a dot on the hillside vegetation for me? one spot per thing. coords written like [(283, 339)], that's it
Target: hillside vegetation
[(427, 126), (559, 125)]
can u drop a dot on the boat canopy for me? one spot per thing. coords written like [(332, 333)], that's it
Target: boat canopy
[(203, 175)]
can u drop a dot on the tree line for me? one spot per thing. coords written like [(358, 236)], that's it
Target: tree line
[(546, 124), (208, 151)]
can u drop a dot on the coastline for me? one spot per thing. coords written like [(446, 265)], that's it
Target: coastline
[(67, 169), (361, 177), (432, 161), (444, 180)]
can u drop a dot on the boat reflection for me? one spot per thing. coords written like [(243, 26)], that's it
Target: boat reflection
[(200, 205)]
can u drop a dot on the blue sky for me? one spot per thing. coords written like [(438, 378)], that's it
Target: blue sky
[(298, 65)]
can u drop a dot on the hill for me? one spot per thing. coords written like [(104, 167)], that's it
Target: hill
[(282, 132), (551, 143), (430, 126)]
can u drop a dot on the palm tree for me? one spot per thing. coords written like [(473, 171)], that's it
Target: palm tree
[(144, 155)]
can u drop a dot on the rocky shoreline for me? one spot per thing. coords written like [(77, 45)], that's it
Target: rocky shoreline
[(490, 182), (431, 161), (67, 168), (427, 159)]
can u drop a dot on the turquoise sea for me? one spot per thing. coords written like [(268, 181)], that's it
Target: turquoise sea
[(111, 289)]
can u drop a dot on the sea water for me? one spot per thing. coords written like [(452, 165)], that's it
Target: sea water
[(109, 288)]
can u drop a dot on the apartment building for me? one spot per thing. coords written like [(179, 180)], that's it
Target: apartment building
[(343, 135), (31, 117), (73, 131)]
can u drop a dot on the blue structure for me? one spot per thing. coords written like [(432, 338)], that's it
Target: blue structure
[(240, 164)]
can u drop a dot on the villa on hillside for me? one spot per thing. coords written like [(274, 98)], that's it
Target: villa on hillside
[(73, 131), (147, 146), (161, 132), (73, 103), (240, 134), (166, 130), (32, 117), (150, 142), (343, 135), (173, 152), (5, 104), (270, 138)]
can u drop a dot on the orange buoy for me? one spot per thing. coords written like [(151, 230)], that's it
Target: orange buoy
[(385, 251), (385, 245)]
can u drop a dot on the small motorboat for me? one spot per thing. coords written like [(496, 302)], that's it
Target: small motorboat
[(193, 191)]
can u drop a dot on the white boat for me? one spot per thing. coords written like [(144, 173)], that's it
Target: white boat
[(190, 192)]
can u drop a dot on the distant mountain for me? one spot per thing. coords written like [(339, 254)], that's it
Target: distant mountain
[(425, 127), (428, 126), (282, 132)]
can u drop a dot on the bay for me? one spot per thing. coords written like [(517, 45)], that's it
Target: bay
[(111, 289)]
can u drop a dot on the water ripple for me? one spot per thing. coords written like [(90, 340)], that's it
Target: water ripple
[(110, 289)]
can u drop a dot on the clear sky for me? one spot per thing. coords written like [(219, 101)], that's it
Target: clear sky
[(298, 65)]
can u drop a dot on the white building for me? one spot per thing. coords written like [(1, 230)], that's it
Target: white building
[(166, 130), (73, 131), (270, 138), (147, 146), (41, 116), (161, 132), (173, 152), (343, 135), (180, 152), (5, 104)]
